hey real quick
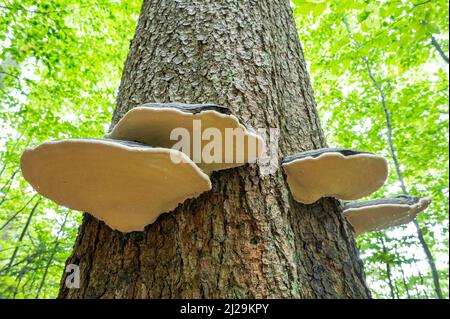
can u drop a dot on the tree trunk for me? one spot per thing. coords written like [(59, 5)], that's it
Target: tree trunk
[(388, 269), (246, 237)]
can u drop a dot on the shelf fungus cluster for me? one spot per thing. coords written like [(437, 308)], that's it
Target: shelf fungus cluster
[(138, 171), (383, 213), (209, 134), (159, 155), (348, 174)]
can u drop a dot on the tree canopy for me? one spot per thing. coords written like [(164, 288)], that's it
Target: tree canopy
[(380, 76)]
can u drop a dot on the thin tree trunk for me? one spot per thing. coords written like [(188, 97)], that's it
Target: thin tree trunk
[(388, 269), (438, 47), (246, 237), (430, 259), (424, 244), (17, 213), (7, 184), (405, 284), (393, 152), (19, 280), (418, 293), (22, 234), (52, 255), (422, 281)]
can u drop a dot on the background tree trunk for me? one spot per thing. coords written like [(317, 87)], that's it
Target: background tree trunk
[(246, 237)]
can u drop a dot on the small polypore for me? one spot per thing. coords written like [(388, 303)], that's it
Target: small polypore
[(209, 134), (125, 184), (379, 214), (334, 172)]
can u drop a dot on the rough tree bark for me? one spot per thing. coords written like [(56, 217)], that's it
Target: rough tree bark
[(246, 237)]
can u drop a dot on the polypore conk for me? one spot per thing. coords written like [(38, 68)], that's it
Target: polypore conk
[(383, 213), (209, 134), (125, 184), (334, 172)]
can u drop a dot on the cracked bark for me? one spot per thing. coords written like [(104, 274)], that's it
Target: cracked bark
[(246, 237)]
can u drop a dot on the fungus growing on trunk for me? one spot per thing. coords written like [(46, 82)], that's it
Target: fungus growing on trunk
[(210, 135), (125, 184), (341, 173), (383, 213)]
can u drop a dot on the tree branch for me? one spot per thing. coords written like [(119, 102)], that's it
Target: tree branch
[(439, 48), (17, 213), (11, 261), (10, 74)]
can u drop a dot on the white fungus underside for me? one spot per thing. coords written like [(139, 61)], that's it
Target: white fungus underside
[(153, 126), (335, 175), (379, 217), (126, 187)]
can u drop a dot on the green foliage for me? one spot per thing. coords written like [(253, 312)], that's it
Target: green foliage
[(60, 67), (344, 43)]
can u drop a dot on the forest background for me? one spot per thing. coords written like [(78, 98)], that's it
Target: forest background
[(380, 76)]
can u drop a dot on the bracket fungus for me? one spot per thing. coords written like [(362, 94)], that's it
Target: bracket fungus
[(210, 134), (125, 184), (383, 213), (342, 173)]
